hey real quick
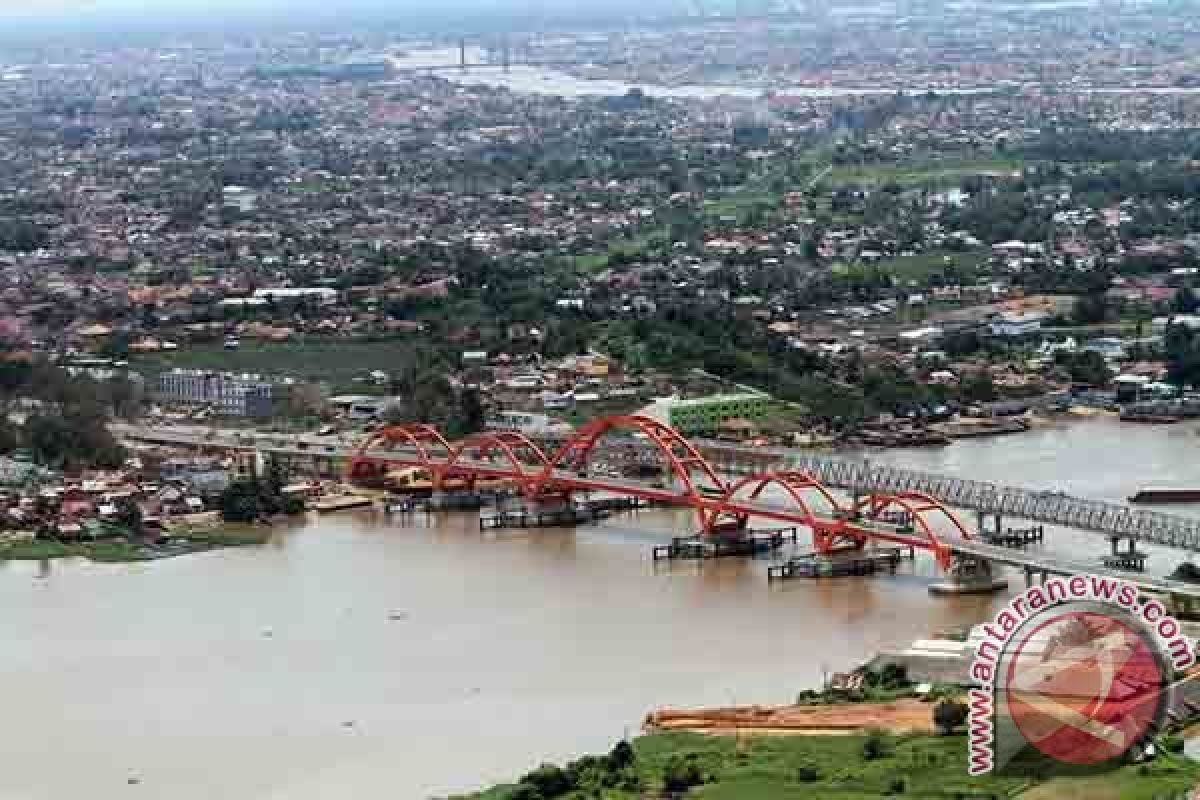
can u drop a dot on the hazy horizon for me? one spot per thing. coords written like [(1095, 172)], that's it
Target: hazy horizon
[(116, 16)]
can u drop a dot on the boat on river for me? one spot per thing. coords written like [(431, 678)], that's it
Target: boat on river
[(1165, 496)]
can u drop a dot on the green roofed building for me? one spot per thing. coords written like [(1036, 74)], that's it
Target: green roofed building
[(705, 414)]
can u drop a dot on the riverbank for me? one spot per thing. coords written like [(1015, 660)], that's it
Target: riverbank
[(751, 767), (903, 716), (124, 549)]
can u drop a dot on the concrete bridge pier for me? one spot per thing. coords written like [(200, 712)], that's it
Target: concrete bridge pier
[(969, 575), (981, 525), (1130, 558), (1035, 577), (455, 500)]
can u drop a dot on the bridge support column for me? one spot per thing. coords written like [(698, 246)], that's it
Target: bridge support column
[(1130, 559), (981, 524), (1130, 541), (1035, 577), (970, 575)]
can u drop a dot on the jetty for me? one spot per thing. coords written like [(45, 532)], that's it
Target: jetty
[(850, 562)]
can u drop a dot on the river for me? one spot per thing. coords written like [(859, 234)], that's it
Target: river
[(549, 81), (357, 656)]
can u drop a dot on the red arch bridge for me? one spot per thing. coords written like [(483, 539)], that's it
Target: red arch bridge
[(590, 461)]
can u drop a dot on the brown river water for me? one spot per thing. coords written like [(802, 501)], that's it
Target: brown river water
[(366, 657)]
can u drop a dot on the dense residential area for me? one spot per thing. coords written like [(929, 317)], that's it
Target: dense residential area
[(255, 253)]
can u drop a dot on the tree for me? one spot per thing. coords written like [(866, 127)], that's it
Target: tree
[(622, 755), (524, 791), (1087, 367), (471, 411), (77, 438), (948, 715), (9, 437), (549, 780), (1185, 301), (978, 388), (1090, 309), (1182, 347), (875, 746), (240, 501), (680, 774), (129, 516), (125, 397)]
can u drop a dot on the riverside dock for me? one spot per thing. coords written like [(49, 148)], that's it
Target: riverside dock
[(556, 516), (342, 502), (851, 562), (1016, 537), (742, 543)]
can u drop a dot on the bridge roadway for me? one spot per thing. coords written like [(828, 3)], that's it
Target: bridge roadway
[(853, 475), (318, 446)]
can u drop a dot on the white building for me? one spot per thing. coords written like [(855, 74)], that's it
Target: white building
[(1016, 323), (1190, 321), (239, 197), (322, 294), (227, 393)]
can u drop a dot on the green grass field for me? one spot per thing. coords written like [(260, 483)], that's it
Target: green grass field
[(121, 550), (935, 173), (834, 768), (738, 204), (632, 247), (40, 550), (920, 267), (337, 361)]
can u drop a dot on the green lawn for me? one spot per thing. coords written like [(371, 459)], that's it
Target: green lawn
[(337, 361), (121, 550), (936, 173), (108, 550), (773, 768), (634, 246), (739, 203), (921, 266)]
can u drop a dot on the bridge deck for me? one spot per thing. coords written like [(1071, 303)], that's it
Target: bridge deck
[(853, 475)]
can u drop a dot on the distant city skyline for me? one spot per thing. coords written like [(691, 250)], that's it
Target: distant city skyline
[(72, 14)]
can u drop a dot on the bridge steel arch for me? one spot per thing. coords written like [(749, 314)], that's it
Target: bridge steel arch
[(680, 455), (421, 439), (919, 509), (800, 488), (510, 446)]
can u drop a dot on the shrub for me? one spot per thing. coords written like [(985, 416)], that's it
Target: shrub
[(893, 676), (293, 505), (897, 786), (523, 791), (622, 755), (1172, 744), (875, 745), (948, 715), (808, 774), (681, 774), (549, 780)]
